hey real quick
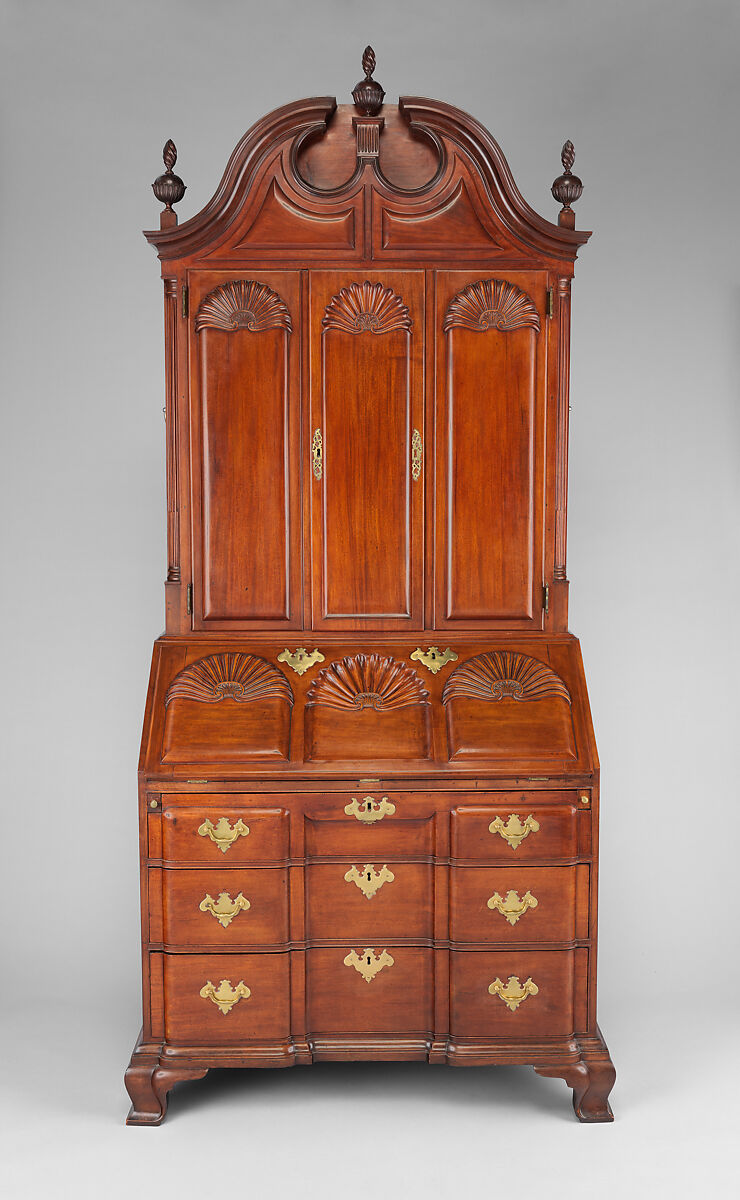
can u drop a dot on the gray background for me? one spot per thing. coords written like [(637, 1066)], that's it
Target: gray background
[(650, 94)]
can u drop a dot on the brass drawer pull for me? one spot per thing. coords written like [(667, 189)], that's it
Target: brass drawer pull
[(434, 658), (222, 833), (317, 454), (513, 992), (225, 996), (417, 453), (367, 963), (368, 880), (515, 830), (368, 811), (225, 909), (512, 908), (300, 660)]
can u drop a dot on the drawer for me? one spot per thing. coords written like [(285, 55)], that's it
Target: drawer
[(521, 1011), (371, 828), (225, 908), (397, 999), (522, 832), (219, 999), (377, 901), (518, 904), (224, 834)]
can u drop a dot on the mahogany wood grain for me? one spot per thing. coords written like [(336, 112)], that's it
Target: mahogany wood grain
[(474, 1012), (555, 839), (264, 922), (552, 919), (193, 1019), (392, 837), (398, 1000), (267, 840), (400, 908)]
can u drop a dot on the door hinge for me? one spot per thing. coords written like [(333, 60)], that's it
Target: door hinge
[(546, 599), (189, 599), (550, 303), (184, 299)]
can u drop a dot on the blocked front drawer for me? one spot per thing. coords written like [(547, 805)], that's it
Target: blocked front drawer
[(369, 989), (370, 826), (358, 899), (224, 834), (219, 999), (512, 993), (518, 904), (516, 832), (225, 908)]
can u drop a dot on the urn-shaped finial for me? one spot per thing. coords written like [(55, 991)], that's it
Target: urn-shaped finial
[(169, 188), (567, 188), (368, 94)]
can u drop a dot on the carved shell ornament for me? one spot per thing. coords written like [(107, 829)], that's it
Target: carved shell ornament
[(243, 304), (504, 675), (492, 304), (367, 308), (367, 681), (241, 677)]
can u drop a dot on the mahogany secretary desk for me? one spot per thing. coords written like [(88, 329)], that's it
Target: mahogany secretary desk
[(368, 783)]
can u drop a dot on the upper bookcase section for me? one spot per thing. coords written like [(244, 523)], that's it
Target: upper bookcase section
[(368, 182)]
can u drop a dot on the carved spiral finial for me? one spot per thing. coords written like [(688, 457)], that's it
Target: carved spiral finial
[(567, 188), (169, 188), (368, 94)]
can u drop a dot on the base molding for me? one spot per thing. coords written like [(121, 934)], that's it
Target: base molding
[(582, 1061)]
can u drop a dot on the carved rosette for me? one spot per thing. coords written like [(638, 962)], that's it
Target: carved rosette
[(241, 677), (504, 675), (367, 681), (243, 304), (492, 304), (367, 308)]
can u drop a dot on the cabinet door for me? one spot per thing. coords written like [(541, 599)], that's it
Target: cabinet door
[(245, 408), (490, 414), (366, 430)]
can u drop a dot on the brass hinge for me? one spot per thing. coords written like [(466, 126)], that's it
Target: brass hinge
[(546, 598), (550, 304), (189, 599), (184, 299)]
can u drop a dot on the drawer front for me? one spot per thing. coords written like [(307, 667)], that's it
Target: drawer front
[(517, 904), (515, 833), (397, 999), (224, 835), (365, 901), (522, 1011), (222, 908), (390, 835), (219, 999)]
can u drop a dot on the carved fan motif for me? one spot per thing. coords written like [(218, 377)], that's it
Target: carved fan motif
[(243, 304), (367, 681), (491, 304), (241, 677), (366, 308), (504, 674)]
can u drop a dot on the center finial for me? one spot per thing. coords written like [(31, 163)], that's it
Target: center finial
[(368, 94)]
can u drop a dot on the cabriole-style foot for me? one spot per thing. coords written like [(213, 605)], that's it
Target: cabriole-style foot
[(592, 1079)]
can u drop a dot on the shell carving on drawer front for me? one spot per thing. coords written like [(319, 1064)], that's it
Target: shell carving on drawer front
[(243, 304), (367, 681), (241, 677), (504, 675)]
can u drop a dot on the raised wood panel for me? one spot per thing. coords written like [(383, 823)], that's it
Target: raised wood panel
[(490, 409), (282, 224), (263, 921), (474, 1012), (453, 225), (196, 1019), (246, 428), (398, 999), (367, 400)]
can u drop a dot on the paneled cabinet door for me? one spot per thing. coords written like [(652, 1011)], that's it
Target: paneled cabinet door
[(490, 423), (366, 449), (245, 421)]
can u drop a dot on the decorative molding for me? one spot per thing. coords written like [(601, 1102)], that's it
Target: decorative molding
[(491, 304), (367, 681), (368, 964), (561, 440), (367, 308), (243, 304), (172, 429), (241, 677), (504, 675)]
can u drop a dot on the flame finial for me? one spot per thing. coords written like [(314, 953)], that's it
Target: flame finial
[(368, 94), (169, 188), (567, 188)]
